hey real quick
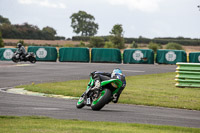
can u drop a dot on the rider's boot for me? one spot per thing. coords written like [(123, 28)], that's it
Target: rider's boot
[(115, 98)]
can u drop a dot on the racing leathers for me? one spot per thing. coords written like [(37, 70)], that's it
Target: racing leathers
[(106, 76), (22, 52)]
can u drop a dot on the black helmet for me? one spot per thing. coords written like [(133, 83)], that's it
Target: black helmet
[(19, 45)]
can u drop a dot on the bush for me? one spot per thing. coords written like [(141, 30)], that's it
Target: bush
[(109, 45), (1, 41), (81, 38), (182, 41), (175, 46), (21, 41), (60, 38), (97, 42), (154, 46), (82, 44), (68, 45), (134, 45)]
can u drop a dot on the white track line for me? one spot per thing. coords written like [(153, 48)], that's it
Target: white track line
[(134, 71)]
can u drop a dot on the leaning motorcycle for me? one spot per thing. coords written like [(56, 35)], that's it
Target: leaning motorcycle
[(29, 57), (98, 94)]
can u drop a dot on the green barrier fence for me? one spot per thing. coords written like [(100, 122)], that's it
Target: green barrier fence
[(194, 57), (171, 56), (6, 53), (106, 55), (74, 55), (188, 75), (139, 56), (44, 53)]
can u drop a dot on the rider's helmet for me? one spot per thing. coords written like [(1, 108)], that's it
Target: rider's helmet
[(116, 72), (19, 45)]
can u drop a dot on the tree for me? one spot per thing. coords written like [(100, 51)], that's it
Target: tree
[(49, 33), (117, 30), (26, 31), (83, 23), (117, 36), (8, 31), (4, 20), (1, 41), (118, 42)]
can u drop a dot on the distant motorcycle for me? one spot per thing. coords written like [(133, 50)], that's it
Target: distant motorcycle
[(29, 57)]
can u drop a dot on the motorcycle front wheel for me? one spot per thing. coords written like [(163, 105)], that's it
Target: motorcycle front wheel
[(80, 104), (32, 59), (14, 59), (101, 100)]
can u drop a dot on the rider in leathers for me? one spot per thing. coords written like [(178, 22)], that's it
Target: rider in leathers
[(21, 51), (116, 74)]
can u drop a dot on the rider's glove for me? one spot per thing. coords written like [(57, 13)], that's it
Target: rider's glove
[(92, 74)]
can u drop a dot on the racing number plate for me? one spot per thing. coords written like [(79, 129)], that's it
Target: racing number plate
[(88, 100)]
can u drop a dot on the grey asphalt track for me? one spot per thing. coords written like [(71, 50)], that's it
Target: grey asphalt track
[(26, 73), (15, 104)]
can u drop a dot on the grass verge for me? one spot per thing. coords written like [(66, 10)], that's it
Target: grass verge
[(33, 124), (152, 90)]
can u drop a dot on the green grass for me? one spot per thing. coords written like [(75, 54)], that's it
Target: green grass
[(160, 90), (36, 124), (152, 90)]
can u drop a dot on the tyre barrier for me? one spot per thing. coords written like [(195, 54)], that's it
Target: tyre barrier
[(138, 56), (194, 57), (106, 55), (6, 53), (44, 53), (188, 75), (74, 55), (170, 56)]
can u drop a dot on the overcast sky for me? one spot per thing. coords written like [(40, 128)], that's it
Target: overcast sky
[(147, 18)]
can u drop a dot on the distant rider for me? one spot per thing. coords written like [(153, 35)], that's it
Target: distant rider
[(116, 74), (21, 51)]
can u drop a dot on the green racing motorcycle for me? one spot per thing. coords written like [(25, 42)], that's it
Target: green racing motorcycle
[(98, 94)]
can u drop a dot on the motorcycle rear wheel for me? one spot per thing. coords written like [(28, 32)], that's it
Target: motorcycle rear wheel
[(102, 100)]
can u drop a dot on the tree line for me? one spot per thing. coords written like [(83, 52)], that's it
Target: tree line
[(144, 40), (26, 31)]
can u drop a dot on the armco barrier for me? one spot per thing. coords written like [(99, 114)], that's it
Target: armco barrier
[(188, 75), (6, 53), (44, 53), (194, 57), (106, 55), (139, 56), (171, 56), (74, 55)]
